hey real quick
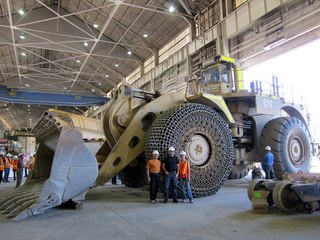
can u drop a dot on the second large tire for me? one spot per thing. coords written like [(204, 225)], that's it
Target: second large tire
[(290, 141), (204, 135), (134, 175)]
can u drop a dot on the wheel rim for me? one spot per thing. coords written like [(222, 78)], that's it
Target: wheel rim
[(296, 149), (198, 150)]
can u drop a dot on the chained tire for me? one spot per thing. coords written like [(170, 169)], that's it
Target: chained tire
[(239, 171), (206, 138), (290, 141), (134, 175)]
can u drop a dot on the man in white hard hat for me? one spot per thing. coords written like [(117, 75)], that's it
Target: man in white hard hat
[(153, 175), (20, 166), (184, 177), (7, 166), (1, 166), (267, 164), (170, 167)]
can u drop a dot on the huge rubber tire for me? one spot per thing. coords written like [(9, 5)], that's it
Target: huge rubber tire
[(134, 175), (290, 141), (239, 171), (204, 135)]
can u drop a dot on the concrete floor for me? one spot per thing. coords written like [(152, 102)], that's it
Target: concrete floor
[(118, 212)]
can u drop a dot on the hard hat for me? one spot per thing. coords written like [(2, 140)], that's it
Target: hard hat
[(183, 153), (268, 148), (15, 157), (8, 155), (1, 153), (155, 152), (171, 149)]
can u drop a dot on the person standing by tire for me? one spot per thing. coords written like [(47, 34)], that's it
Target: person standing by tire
[(170, 167), (267, 164), (153, 175), (1, 166), (14, 166), (7, 166), (184, 177), (20, 170)]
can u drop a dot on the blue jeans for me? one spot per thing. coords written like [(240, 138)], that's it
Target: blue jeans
[(268, 169), (171, 177), (6, 174), (185, 185)]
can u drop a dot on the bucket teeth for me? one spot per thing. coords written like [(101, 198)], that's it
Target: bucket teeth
[(22, 208), (19, 203), (13, 202)]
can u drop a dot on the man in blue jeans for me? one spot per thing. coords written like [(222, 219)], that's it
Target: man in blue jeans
[(267, 164), (170, 167)]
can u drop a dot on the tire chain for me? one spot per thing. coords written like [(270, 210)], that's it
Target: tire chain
[(176, 126)]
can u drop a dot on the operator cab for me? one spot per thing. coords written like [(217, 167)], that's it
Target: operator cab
[(220, 76)]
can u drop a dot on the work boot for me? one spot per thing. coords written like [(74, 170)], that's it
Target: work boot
[(165, 201), (175, 200)]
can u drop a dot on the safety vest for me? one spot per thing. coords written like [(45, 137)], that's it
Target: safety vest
[(15, 164), (183, 169), (7, 163), (1, 165)]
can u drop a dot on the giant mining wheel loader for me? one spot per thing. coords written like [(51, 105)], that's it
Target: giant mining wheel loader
[(222, 126)]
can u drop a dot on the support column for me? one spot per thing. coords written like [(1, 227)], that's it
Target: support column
[(156, 63), (192, 30)]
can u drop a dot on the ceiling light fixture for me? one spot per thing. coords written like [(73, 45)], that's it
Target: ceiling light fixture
[(99, 84), (145, 35), (95, 25), (21, 12), (107, 75), (275, 43), (92, 90), (65, 88), (78, 61), (172, 8), (116, 65), (85, 44), (129, 52), (22, 36), (23, 54), (28, 106)]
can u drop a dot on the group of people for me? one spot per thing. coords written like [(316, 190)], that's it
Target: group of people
[(173, 168), (19, 165)]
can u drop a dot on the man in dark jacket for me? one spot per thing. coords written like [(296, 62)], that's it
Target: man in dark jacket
[(20, 170), (170, 167)]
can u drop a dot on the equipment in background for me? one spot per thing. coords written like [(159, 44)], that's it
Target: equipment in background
[(296, 192)]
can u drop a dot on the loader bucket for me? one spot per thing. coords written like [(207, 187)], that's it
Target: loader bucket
[(64, 170)]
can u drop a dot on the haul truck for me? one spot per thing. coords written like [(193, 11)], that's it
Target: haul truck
[(222, 126)]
